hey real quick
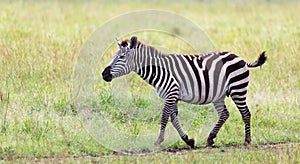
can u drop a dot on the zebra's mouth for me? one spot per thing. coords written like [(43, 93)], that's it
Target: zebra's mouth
[(106, 75)]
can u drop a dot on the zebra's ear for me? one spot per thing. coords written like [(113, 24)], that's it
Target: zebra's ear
[(133, 42), (118, 43)]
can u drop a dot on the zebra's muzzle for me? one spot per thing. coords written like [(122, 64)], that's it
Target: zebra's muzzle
[(106, 75)]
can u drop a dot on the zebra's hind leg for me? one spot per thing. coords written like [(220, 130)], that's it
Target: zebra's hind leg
[(240, 102), (176, 124), (223, 115)]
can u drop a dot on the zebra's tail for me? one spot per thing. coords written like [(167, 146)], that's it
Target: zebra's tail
[(260, 61)]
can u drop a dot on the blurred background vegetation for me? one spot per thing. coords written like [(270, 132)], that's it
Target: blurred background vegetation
[(40, 41)]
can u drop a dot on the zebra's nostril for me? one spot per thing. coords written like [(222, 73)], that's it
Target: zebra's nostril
[(107, 78), (106, 75), (106, 71)]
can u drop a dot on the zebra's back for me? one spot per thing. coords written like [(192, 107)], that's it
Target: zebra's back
[(207, 78)]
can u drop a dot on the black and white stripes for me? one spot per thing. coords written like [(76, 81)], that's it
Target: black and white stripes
[(196, 79)]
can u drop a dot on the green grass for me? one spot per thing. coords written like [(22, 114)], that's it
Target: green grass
[(40, 42)]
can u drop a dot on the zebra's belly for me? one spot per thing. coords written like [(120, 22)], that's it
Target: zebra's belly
[(196, 103), (196, 97)]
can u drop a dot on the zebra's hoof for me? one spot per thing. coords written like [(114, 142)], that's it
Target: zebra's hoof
[(247, 143), (191, 143), (210, 143), (157, 143)]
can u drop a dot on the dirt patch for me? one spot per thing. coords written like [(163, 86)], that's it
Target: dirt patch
[(223, 148), (180, 149), (275, 146)]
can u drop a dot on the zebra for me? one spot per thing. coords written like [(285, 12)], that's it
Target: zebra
[(196, 79)]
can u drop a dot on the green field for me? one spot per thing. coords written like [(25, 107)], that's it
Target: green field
[(40, 42)]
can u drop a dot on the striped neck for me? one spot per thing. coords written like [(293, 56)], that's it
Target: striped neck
[(147, 57)]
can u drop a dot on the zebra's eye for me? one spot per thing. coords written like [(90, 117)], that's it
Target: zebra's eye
[(121, 57)]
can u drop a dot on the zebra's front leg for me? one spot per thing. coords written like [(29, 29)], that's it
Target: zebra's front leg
[(163, 124), (176, 124)]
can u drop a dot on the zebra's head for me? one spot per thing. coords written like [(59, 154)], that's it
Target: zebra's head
[(122, 63)]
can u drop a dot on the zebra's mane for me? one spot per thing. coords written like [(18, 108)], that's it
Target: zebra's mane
[(139, 44)]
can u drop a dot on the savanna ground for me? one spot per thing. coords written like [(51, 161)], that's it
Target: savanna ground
[(39, 44)]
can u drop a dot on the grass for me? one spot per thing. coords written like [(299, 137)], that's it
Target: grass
[(40, 42), (288, 153)]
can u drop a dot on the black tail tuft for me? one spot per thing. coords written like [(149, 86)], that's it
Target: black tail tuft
[(260, 61)]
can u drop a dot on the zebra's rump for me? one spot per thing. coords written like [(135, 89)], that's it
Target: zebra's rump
[(207, 78)]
